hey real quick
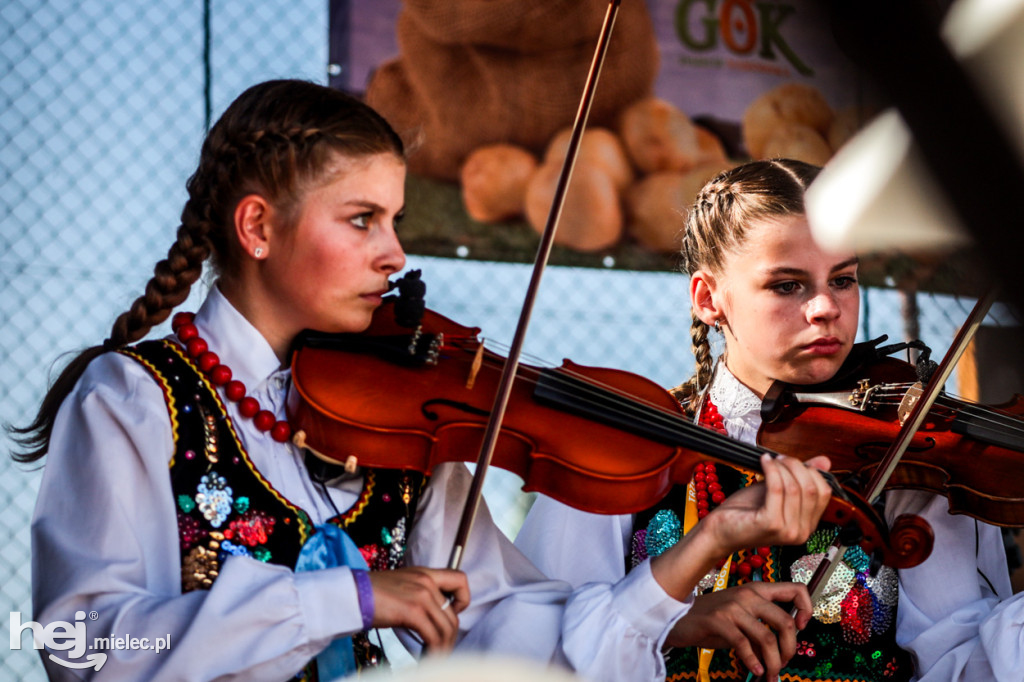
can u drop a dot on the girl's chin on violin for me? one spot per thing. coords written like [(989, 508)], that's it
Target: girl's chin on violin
[(813, 367)]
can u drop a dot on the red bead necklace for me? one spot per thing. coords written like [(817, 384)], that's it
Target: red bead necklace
[(220, 375), (709, 490)]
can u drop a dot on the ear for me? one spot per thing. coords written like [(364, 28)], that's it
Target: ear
[(704, 297), (252, 225)]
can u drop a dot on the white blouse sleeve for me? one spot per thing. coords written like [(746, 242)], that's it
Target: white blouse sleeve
[(105, 542), (1002, 639), (514, 608), (944, 601), (615, 625)]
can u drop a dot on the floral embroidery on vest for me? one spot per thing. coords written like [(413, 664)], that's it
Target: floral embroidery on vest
[(226, 507)]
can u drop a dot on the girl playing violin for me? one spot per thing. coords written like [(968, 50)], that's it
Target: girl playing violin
[(788, 311), (173, 504)]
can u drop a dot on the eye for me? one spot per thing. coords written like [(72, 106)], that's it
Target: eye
[(845, 282), (785, 288), (362, 221)]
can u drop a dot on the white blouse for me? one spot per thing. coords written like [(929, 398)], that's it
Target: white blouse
[(943, 602), (105, 539)]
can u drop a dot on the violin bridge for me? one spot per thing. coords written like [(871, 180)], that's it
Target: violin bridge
[(910, 399), (474, 369)]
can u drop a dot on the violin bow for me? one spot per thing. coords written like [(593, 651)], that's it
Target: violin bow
[(920, 405), (508, 373)]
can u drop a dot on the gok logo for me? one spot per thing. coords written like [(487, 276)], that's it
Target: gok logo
[(743, 26)]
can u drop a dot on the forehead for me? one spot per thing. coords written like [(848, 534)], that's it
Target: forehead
[(781, 242)]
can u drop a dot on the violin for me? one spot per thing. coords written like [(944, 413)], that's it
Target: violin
[(971, 454), (600, 440)]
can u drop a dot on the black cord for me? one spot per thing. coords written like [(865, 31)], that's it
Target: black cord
[(977, 551)]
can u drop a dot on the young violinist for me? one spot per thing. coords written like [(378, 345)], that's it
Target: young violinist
[(788, 311), (174, 505)]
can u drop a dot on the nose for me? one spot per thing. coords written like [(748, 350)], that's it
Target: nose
[(392, 256), (823, 307)]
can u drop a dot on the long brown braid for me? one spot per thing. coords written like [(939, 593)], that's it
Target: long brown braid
[(716, 226), (277, 139)]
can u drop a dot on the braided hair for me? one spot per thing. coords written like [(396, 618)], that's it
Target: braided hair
[(277, 139), (716, 226)]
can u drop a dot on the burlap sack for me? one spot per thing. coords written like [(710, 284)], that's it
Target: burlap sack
[(473, 73)]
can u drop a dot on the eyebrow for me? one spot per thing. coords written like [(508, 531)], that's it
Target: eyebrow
[(373, 206), (774, 272)]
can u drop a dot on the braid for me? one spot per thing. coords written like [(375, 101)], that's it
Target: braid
[(688, 391), (276, 139)]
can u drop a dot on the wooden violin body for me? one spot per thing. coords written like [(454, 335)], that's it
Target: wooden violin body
[(600, 440), (973, 455)]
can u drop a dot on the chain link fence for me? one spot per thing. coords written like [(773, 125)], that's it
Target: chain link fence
[(104, 104)]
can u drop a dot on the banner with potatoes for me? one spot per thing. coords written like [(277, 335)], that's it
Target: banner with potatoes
[(485, 94)]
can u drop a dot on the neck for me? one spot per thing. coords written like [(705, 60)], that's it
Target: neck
[(259, 317)]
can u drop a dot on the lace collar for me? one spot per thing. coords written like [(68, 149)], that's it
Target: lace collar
[(739, 406)]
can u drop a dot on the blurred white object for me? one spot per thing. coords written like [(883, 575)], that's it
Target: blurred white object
[(877, 192), (474, 668)]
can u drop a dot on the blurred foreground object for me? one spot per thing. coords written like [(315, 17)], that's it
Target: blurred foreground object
[(946, 164), (473, 668)]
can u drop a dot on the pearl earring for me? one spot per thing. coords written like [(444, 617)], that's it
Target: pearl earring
[(718, 326), (258, 252)]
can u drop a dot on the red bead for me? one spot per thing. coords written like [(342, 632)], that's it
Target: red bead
[(701, 513), (187, 331), (711, 477), (220, 375), (764, 551), (699, 468), (743, 569), (182, 318), (264, 420), (714, 487), (248, 407), (208, 361), (699, 477), (702, 505), (702, 495), (757, 561), (235, 390), (710, 467), (718, 497), (281, 432), (196, 347)]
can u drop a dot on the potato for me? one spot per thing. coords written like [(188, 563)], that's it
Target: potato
[(711, 148), (800, 142), (591, 218), (658, 136), (599, 147), (787, 103), (659, 203), (844, 126), (494, 182)]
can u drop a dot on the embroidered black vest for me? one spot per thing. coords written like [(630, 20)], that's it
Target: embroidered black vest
[(225, 506), (851, 639)]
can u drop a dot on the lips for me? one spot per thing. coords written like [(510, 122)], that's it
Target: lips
[(825, 346)]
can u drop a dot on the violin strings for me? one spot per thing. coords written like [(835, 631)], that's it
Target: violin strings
[(598, 394), (998, 420)]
